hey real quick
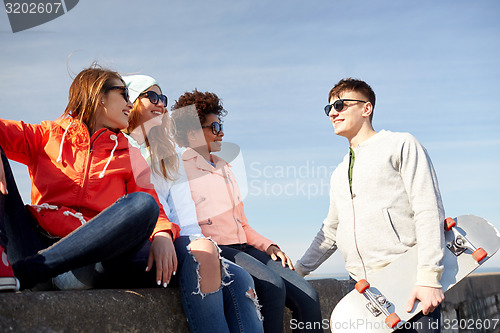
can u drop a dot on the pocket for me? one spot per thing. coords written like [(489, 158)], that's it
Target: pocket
[(390, 226)]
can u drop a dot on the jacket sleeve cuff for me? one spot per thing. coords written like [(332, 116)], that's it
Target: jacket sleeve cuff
[(429, 277), (171, 228), (300, 269)]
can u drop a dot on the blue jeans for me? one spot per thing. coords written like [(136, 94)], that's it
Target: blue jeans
[(276, 287), (117, 232), (420, 323), (229, 309)]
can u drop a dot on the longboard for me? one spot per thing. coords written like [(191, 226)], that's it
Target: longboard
[(379, 305)]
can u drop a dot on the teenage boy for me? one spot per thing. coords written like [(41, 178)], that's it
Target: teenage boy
[(384, 199)]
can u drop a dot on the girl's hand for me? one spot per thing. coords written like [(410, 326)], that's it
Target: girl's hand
[(163, 254), (276, 253), (3, 182)]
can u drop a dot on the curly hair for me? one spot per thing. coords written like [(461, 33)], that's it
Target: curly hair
[(182, 114)]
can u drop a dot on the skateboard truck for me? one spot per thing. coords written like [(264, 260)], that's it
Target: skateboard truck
[(460, 243), (377, 304)]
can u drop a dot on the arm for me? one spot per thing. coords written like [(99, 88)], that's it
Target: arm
[(324, 244), (181, 204), (162, 249), (422, 187), (20, 141), (140, 181), (3, 182)]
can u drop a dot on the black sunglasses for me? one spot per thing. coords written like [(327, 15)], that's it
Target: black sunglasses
[(155, 98), (216, 127), (124, 91), (338, 105)]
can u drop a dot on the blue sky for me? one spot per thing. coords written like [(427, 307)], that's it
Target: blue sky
[(433, 65)]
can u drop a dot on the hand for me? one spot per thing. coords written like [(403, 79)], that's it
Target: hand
[(429, 297), (162, 253), (275, 252), (3, 182)]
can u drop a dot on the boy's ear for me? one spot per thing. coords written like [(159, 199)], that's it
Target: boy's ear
[(368, 109)]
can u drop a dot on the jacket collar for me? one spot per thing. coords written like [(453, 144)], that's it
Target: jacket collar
[(201, 163)]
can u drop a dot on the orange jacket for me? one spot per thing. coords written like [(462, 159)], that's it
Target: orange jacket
[(69, 169), (218, 202)]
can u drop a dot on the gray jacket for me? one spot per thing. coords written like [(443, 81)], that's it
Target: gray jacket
[(395, 204)]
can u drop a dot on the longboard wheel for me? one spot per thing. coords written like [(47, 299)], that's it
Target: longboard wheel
[(449, 223), (479, 254), (392, 320), (362, 285)]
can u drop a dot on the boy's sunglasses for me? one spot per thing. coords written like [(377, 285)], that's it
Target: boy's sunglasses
[(216, 127), (338, 105), (124, 91), (155, 98)]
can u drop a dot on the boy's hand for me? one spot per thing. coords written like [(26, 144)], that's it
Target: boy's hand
[(275, 252), (162, 253), (429, 297)]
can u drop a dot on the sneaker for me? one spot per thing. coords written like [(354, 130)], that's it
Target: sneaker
[(7, 279)]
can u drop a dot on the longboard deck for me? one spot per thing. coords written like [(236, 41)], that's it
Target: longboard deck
[(397, 280)]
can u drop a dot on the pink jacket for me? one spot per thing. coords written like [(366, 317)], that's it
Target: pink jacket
[(218, 202)]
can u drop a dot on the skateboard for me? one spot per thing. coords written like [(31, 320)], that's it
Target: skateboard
[(379, 303)]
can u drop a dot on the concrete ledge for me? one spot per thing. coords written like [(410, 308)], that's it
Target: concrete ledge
[(160, 310)]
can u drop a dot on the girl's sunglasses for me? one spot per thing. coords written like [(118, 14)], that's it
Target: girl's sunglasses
[(216, 127), (124, 91), (155, 98), (338, 105)]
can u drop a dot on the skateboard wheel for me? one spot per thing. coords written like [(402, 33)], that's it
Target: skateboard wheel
[(479, 254), (362, 285), (449, 223), (392, 320)]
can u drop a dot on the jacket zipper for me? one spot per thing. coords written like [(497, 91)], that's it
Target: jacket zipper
[(236, 220), (87, 171), (209, 222), (351, 180)]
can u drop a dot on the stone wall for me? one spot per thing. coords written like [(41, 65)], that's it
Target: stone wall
[(474, 301)]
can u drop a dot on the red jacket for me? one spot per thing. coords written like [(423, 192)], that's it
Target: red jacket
[(69, 169)]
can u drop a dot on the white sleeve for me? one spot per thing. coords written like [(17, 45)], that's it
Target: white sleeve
[(181, 204)]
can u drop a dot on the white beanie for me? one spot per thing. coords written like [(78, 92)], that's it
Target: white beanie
[(137, 84)]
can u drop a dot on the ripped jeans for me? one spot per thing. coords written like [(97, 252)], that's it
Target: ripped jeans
[(204, 310)]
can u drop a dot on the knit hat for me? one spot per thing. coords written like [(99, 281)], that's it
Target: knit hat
[(137, 84)]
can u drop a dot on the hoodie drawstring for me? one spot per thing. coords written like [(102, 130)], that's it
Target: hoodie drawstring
[(115, 139), (79, 216), (59, 158)]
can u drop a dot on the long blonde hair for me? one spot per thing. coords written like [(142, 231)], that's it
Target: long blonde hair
[(164, 159)]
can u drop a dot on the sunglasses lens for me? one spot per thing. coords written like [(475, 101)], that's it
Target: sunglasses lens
[(338, 105), (327, 109), (216, 128), (163, 99), (153, 97)]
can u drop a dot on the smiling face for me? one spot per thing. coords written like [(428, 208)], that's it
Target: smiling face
[(214, 141), (148, 112), (114, 108), (352, 118)]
